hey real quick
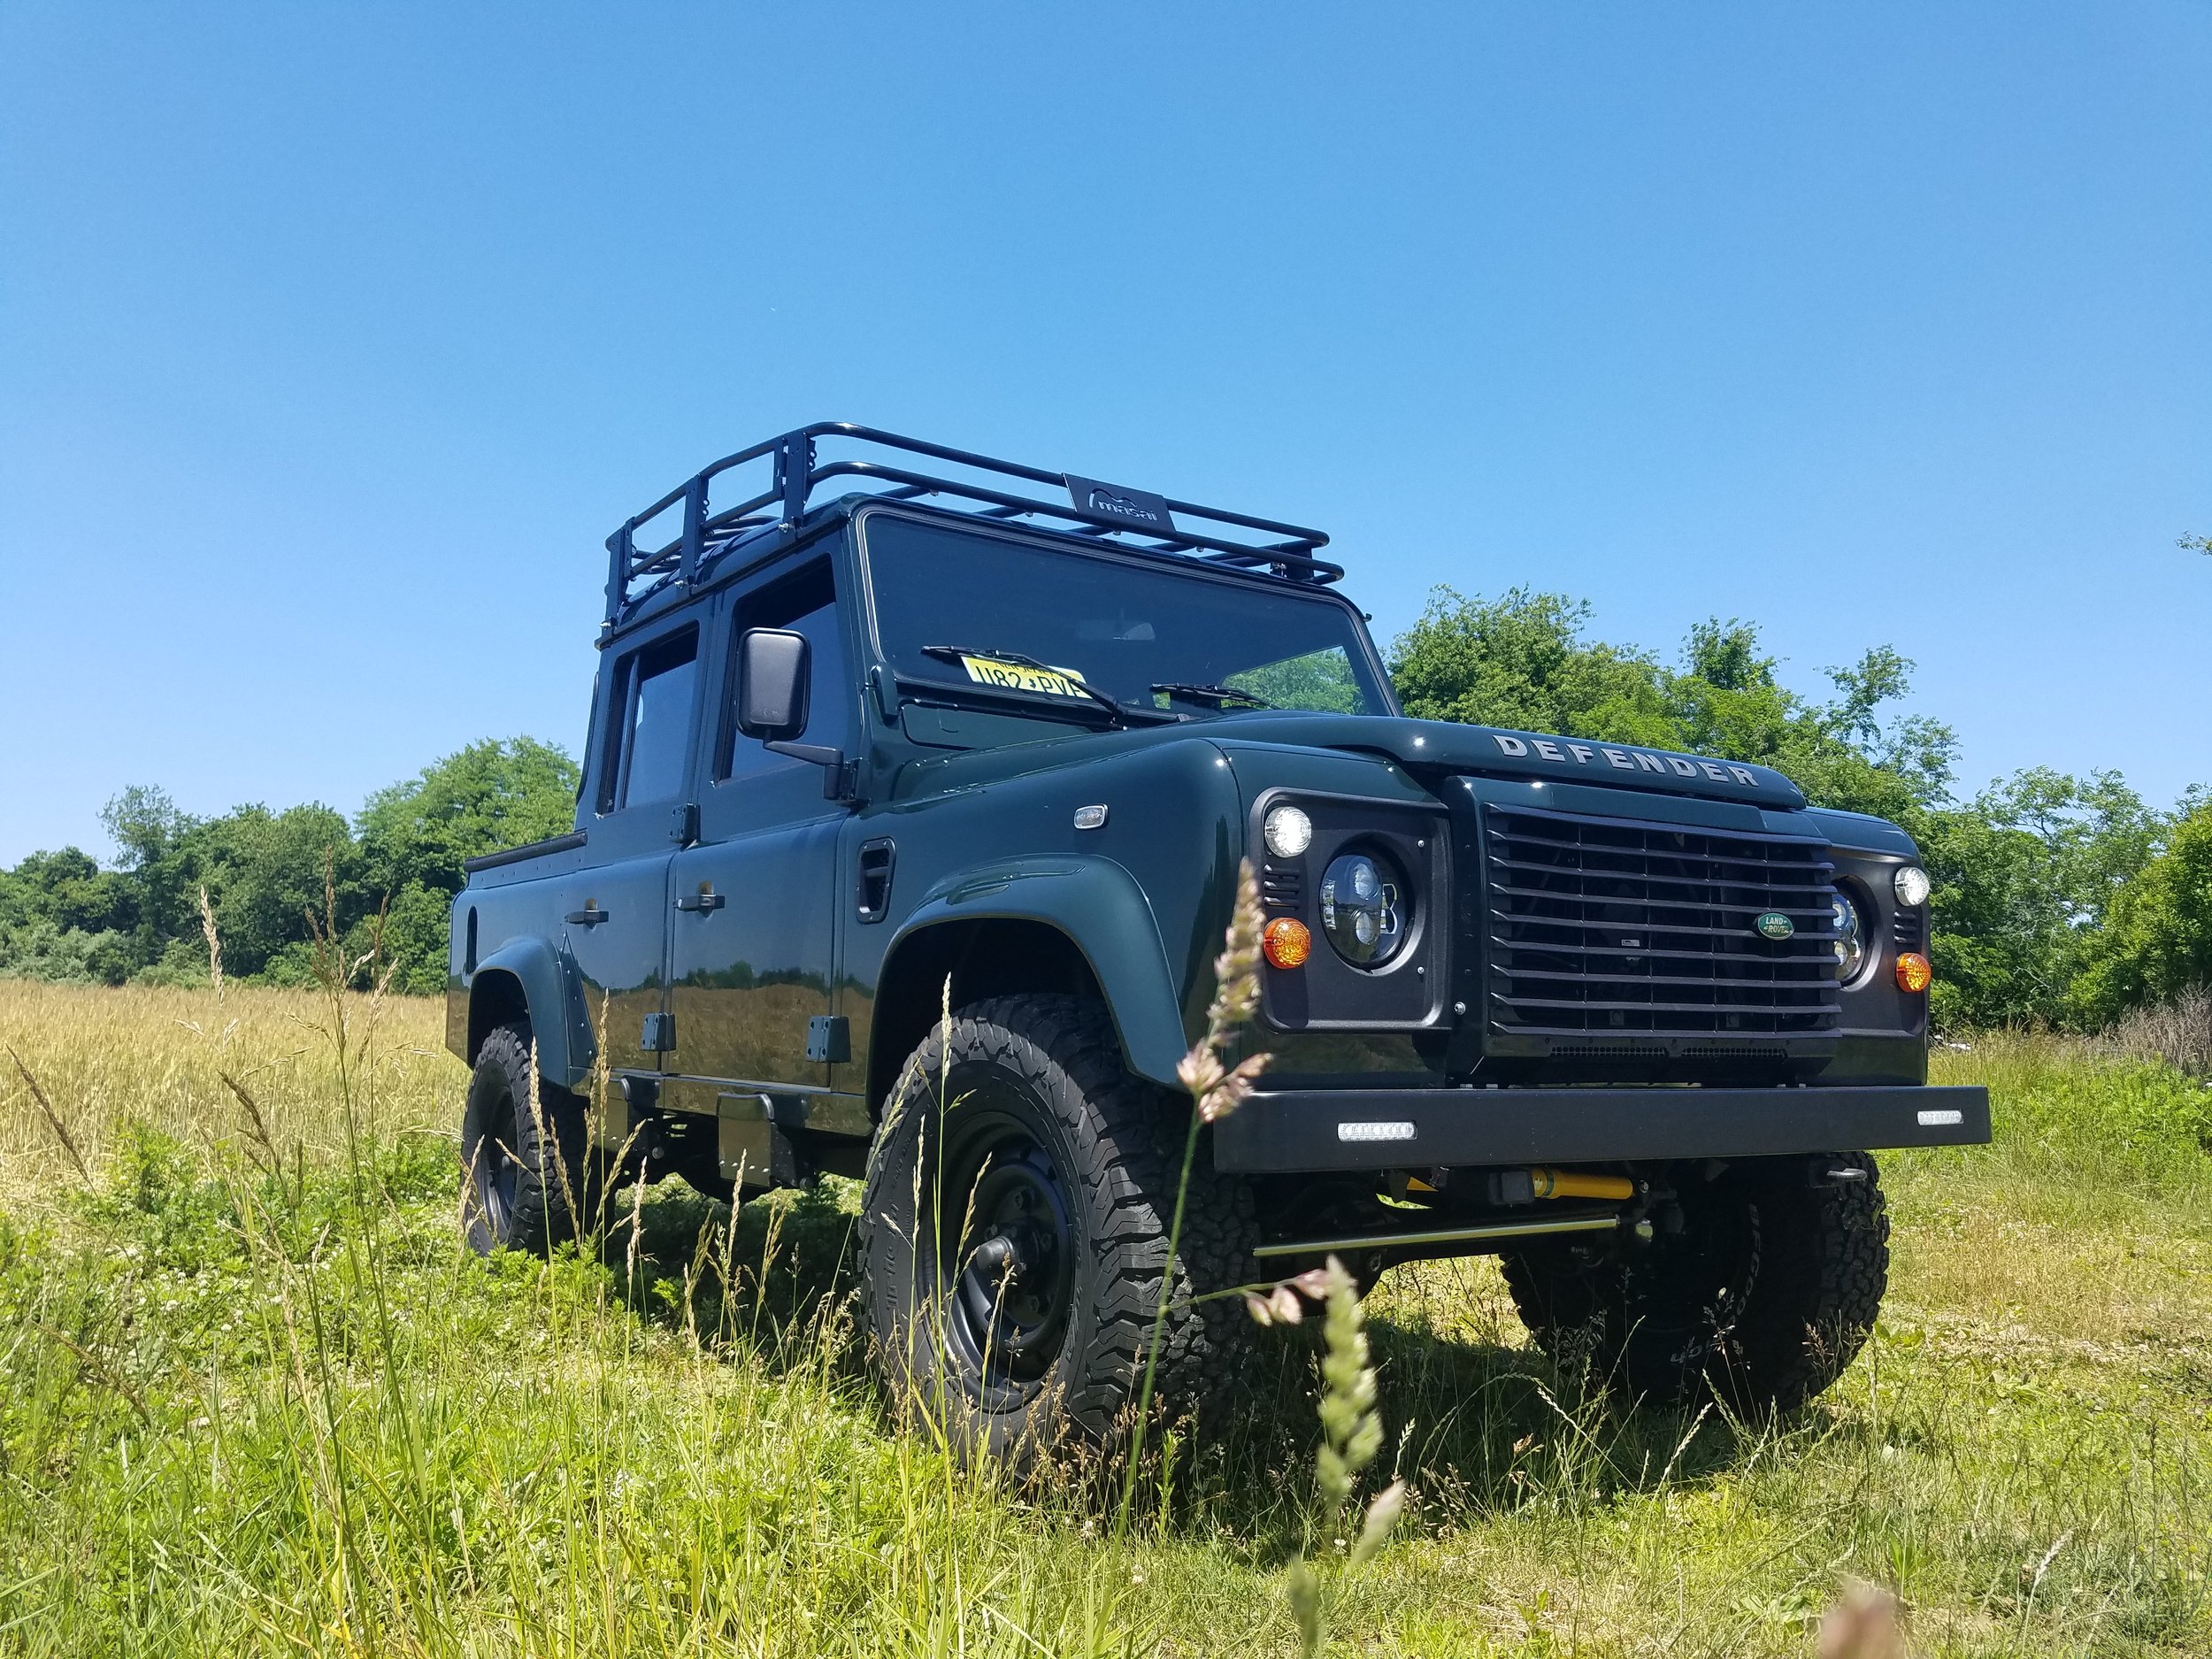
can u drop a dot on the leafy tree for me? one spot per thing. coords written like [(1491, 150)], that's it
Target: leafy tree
[(149, 832), (1523, 661), (70, 890), (2157, 941), (416, 836), (63, 918), (477, 800), (266, 873), (34, 948), (2023, 877)]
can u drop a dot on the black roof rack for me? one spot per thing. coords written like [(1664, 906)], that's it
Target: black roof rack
[(1130, 516)]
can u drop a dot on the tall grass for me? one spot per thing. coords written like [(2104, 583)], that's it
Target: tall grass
[(2179, 1033), (255, 1399)]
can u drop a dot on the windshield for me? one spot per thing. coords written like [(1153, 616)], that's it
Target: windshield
[(951, 605)]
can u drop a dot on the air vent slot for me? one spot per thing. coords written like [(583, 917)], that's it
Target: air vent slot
[(1908, 928)]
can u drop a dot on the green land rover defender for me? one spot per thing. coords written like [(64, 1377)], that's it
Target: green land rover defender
[(912, 816)]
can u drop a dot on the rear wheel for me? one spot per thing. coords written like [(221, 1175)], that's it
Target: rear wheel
[(1014, 1234), (528, 1171), (1761, 1299)]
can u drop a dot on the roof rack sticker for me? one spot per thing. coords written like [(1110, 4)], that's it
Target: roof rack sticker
[(1138, 508)]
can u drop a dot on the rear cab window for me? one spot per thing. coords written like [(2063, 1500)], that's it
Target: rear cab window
[(648, 726)]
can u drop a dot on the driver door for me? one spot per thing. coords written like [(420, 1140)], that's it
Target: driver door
[(754, 902)]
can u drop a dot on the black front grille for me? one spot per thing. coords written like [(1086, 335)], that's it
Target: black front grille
[(1605, 925)]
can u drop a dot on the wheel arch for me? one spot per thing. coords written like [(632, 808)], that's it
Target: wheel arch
[(523, 978), (1079, 927)]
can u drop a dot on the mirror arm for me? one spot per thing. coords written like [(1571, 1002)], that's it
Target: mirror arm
[(840, 777)]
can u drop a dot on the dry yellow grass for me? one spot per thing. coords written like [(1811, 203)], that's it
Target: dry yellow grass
[(107, 1058)]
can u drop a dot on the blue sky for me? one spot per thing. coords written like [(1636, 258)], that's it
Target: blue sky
[(334, 340)]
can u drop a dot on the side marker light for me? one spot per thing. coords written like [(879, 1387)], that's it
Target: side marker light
[(1913, 973), (1286, 942)]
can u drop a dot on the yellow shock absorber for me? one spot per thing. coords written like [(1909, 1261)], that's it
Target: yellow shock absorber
[(1569, 1184)]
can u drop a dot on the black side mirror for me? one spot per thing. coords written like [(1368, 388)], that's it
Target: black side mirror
[(773, 669)]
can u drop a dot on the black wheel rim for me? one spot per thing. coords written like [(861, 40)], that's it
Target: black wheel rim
[(498, 1172), (1690, 1298), (1007, 1287)]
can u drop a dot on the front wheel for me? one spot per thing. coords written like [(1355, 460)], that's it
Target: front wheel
[(1014, 1231), (1760, 1298)]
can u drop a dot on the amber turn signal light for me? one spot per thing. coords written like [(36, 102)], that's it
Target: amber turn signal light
[(1286, 942), (1913, 973)]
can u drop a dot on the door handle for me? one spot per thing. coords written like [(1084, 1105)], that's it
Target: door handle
[(590, 916), (700, 902)]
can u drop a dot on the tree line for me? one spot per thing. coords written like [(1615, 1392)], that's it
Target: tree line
[(2059, 900), (388, 877)]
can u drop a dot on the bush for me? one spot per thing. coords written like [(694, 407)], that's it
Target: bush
[(2179, 1032), (38, 949)]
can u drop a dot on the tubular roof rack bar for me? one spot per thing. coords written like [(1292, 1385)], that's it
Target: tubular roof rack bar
[(796, 474)]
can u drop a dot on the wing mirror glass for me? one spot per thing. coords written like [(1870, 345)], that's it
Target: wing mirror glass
[(773, 668)]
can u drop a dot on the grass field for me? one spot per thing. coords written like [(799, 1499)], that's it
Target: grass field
[(254, 1400)]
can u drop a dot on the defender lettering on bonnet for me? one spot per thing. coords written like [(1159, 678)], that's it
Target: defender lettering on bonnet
[(1623, 759)]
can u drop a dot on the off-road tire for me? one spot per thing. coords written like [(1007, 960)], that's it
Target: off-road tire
[(1760, 1305), (528, 1172), (1048, 1068)]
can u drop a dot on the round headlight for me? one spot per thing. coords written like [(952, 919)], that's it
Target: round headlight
[(1362, 909), (1287, 832), (1911, 883), (1850, 931)]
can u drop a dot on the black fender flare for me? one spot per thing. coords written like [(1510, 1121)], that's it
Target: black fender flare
[(1099, 909), (532, 967)]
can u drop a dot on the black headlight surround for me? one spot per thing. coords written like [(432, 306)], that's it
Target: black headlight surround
[(1411, 990), (1368, 930), (1874, 1010)]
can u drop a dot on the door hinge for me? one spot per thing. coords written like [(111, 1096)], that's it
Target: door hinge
[(829, 1039), (659, 1036)]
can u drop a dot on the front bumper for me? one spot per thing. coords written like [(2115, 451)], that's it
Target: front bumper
[(1299, 1131)]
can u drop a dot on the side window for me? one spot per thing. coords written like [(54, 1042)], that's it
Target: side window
[(649, 723), (806, 602)]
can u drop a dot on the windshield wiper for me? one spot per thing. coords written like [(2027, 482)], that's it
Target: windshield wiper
[(1220, 696), (1021, 659)]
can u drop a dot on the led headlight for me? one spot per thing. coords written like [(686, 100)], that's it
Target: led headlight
[(1362, 909), (1911, 885), (1287, 832), (1850, 930)]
